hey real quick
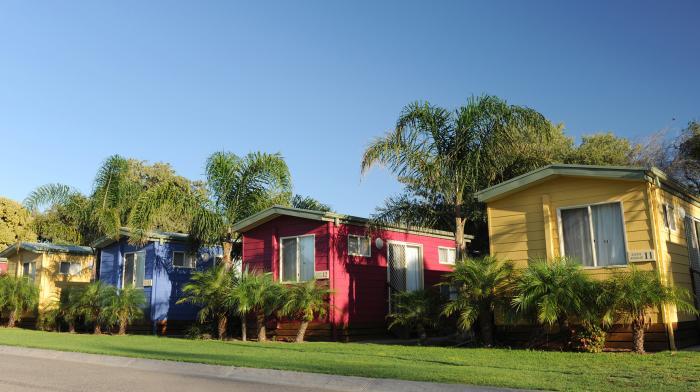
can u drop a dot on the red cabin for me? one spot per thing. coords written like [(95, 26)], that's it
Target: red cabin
[(361, 263)]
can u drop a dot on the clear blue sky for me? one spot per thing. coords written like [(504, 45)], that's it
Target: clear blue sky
[(175, 81)]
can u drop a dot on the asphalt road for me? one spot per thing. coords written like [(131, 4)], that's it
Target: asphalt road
[(27, 374)]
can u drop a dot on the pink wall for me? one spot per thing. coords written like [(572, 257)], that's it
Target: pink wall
[(359, 283)]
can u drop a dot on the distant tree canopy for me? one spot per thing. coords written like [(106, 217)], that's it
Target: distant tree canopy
[(15, 223), (603, 149)]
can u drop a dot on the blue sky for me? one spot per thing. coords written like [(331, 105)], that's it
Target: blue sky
[(316, 81)]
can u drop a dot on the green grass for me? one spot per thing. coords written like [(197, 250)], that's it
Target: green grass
[(497, 367)]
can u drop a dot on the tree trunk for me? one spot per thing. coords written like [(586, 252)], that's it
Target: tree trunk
[(638, 335), (564, 331), (11, 321), (71, 327), (227, 246), (122, 326), (302, 331), (98, 329), (422, 335), (244, 329), (486, 327), (221, 327), (260, 321)]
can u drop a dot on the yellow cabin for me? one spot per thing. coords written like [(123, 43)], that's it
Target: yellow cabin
[(608, 218), (51, 266)]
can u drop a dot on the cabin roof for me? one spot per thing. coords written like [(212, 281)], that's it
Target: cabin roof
[(274, 212), (153, 235), (623, 173), (41, 247)]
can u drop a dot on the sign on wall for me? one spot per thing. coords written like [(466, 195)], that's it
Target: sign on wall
[(147, 282), (642, 255), (321, 274)]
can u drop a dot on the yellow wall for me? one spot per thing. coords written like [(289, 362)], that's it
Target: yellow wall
[(48, 278)]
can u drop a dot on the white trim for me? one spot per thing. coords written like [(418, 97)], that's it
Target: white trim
[(369, 245), (298, 269), (590, 225), (185, 254), (454, 249)]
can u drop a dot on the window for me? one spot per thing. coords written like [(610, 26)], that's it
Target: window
[(669, 217), (359, 246), (183, 260), (134, 269), (594, 235), (297, 258), (29, 270), (449, 291), (69, 268), (447, 255)]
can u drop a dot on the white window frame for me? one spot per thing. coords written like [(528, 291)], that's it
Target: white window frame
[(70, 264), (592, 232), (357, 237), (669, 216), (185, 256), (298, 259), (124, 268), (446, 262)]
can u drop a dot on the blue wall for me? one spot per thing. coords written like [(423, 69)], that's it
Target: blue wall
[(167, 281)]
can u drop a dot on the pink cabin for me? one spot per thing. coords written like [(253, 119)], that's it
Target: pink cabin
[(362, 264)]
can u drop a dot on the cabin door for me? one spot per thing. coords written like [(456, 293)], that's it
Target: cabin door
[(404, 267)]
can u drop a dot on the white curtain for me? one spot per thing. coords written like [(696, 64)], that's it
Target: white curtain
[(306, 258), (609, 234), (414, 273), (576, 231), (289, 260)]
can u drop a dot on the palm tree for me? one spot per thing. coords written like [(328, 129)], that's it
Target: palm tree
[(636, 293), (211, 290), (259, 294), (18, 295), (125, 306), (309, 203), (94, 303), (305, 301), (482, 284), (66, 307), (553, 291), (415, 310), (443, 157), (238, 187)]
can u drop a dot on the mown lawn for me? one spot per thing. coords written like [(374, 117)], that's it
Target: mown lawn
[(497, 367)]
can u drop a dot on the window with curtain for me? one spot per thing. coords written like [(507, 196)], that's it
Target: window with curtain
[(447, 255), (69, 268), (594, 235), (134, 269), (358, 246), (669, 217), (29, 270), (297, 259)]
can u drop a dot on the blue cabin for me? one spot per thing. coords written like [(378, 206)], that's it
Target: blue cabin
[(161, 267)]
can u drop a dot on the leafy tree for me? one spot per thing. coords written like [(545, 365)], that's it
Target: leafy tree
[(604, 149), (94, 304), (482, 284), (309, 203), (636, 293), (125, 306), (304, 302), (18, 295), (211, 291), (15, 223), (553, 291), (259, 294), (415, 310), (238, 187), (443, 157)]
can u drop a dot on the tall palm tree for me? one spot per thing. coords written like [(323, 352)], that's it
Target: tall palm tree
[(305, 301), (125, 306), (259, 294), (443, 157), (415, 310), (18, 295), (94, 303), (309, 203), (238, 187), (553, 291), (210, 290), (482, 284), (636, 293)]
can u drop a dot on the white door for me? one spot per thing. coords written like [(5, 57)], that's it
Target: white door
[(404, 267), (414, 275)]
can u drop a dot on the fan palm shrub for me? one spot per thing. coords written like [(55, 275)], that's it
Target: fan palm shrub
[(94, 305), (18, 295), (553, 292), (211, 291), (417, 311), (257, 294), (63, 308), (126, 306), (635, 294), (304, 302), (482, 285)]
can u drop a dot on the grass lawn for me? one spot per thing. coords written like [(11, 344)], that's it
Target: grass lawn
[(497, 367)]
